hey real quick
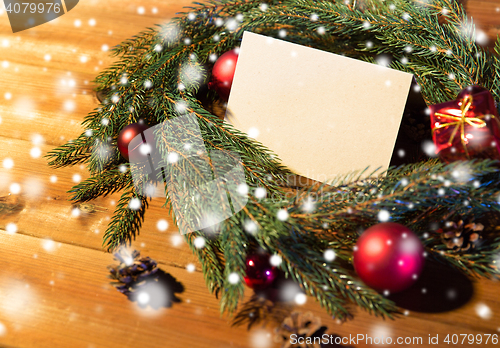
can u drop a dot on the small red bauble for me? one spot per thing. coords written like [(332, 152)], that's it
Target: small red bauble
[(126, 135), (259, 271), (388, 257), (223, 73)]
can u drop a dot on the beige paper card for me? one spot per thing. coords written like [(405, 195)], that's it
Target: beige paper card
[(321, 113)]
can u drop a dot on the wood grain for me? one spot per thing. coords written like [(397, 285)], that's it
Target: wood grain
[(53, 286)]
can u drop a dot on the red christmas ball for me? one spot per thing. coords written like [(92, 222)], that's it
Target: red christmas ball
[(126, 135), (259, 271), (388, 256), (223, 73)]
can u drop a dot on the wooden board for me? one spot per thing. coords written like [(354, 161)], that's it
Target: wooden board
[(53, 286)]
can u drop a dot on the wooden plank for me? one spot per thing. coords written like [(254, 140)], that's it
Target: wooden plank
[(57, 295)]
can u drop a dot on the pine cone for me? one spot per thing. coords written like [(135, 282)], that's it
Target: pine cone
[(459, 236), (303, 325), (132, 271)]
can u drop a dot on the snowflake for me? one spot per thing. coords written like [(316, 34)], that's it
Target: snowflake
[(162, 225), (75, 212), (260, 193), (308, 205), (282, 214), (105, 48), (8, 163), (250, 226), (282, 33), (404, 60), (92, 22), (366, 25), (232, 24), (47, 57), (181, 107), (383, 215), (253, 132), (369, 44), (212, 57), (408, 49), (451, 76), (275, 260), (199, 242), (329, 255), (481, 37), (172, 157), (176, 240), (300, 299), (233, 278), (429, 148), (7, 95), (445, 11), (141, 10), (15, 188), (84, 59), (69, 105), (148, 84), (190, 268), (242, 189), (219, 22), (11, 228), (321, 30), (134, 204), (401, 153), (48, 245), (383, 60), (263, 7), (53, 179)]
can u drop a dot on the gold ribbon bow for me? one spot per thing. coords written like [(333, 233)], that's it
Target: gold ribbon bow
[(460, 121)]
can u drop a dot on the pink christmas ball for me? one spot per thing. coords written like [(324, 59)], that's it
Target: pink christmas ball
[(388, 257)]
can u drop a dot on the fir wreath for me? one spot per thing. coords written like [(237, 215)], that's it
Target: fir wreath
[(434, 40)]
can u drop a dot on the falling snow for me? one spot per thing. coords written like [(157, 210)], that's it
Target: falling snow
[(429, 148), (483, 311), (234, 278), (275, 260), (162, 225), (383, 215), (15, 188), (300, 299), (199, 242), (48, 245), (282, 214), (8, 163), (260, 192), (134, 204), (250, 226), (329, 255), (11, 228)]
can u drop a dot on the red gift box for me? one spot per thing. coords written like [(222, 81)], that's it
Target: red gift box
[(466, 128)]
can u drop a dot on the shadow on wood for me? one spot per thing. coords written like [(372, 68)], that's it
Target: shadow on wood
[(439, 289)]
